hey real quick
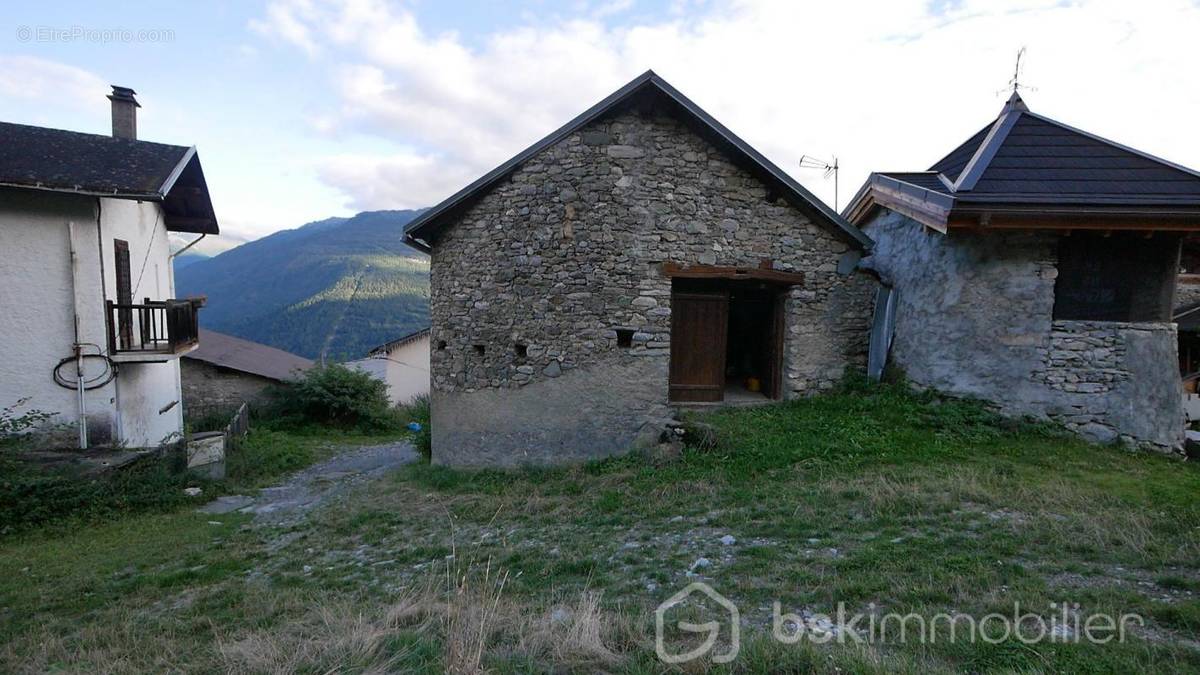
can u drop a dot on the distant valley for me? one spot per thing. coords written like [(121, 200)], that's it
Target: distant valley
[(332, 288)]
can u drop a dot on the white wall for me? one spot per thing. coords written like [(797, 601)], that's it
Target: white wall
[(37, 298), (408, 371), (404, 369), (143, 389)]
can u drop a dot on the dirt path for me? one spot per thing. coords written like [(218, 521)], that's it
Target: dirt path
[(317, 484)]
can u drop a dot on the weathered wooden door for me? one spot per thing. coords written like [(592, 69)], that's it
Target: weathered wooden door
[(699, 328)]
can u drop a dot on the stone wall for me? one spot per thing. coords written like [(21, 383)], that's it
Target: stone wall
[(210, 389), (975, 318), (1187, 294), (531, 285), (1115, 381)]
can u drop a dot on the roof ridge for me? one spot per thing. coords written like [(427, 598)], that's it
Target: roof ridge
[(648, 78), (987, 149), (93, 135)]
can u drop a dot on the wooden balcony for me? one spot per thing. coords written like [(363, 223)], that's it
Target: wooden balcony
[(152, 331)]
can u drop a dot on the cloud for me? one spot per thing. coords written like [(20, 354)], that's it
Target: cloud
[(401, 181), (29, 78), (884, 86)]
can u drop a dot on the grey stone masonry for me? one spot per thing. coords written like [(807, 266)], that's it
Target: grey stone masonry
[(975, 318), (1105, 373), (538, 285)]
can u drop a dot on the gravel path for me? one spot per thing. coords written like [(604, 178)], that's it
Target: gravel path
[(318, 483)]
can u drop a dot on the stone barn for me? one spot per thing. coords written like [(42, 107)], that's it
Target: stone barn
[(226, 371), (1035, 267), (639, 258)]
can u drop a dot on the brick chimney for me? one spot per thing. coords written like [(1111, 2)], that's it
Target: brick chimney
[(124, 112)]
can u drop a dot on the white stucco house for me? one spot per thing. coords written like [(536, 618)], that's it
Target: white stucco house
[(92, 330), (402, 364)]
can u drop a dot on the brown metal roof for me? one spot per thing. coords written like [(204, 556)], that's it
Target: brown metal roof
[(234, 353)]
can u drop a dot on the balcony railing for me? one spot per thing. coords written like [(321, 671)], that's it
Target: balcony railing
[(153, 327)]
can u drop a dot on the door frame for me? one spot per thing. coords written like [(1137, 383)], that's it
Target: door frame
[(720, 284)]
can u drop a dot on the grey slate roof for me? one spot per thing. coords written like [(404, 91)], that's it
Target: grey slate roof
[(39, 158), (1027, 159), (234, 353), (423, 230)]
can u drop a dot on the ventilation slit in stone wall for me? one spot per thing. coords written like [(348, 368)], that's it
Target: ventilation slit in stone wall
[(480, 350), (624, 337), (521, 350)]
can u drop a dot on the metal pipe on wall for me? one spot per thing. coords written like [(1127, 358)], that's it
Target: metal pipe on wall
[(83, 430)]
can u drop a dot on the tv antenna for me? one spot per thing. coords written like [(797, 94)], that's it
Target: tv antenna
[(830, 169)]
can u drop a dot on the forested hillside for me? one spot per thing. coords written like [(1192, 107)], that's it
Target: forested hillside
[(332, 288)]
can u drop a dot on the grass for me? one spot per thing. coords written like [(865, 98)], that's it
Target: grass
[(880, 499)]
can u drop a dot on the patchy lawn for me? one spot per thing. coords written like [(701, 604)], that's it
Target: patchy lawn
[(885, 501)]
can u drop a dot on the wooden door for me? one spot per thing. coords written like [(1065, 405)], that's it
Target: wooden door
[(699, 328), (773, 343), (124, 292)]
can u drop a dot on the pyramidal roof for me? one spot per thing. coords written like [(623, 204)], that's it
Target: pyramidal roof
[(1023, 159), (423, 231)]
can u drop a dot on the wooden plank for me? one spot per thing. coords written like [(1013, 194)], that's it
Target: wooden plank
[(675, 270), (1051, 221), (699, 327)]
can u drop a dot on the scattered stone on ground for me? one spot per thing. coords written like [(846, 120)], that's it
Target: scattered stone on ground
[(192, 491), (317, 484), (728, 540)]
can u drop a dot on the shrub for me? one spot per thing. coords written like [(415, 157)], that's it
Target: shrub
[(12, 423), (31, 496), (417, 411), (337, 396)]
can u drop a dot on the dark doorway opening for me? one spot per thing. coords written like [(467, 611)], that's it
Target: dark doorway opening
[(726, 340)]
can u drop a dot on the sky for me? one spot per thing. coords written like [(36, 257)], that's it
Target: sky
[(306, 109)]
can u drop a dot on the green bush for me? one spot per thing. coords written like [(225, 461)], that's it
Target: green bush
[(335, 396), (31, 496)]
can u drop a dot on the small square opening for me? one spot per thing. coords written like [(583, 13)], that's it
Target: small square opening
[(624, 337), (521, 350), (441, 345), (480, 350)]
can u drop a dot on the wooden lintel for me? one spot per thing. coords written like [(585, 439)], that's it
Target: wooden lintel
[(774, 276)]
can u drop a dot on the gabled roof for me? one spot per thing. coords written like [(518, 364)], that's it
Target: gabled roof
[(234, 353), (398, 342), (1024, 165), (37, 158), (423, 231)]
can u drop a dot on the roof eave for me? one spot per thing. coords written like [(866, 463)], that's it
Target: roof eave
[(139, 196), (925, 206)]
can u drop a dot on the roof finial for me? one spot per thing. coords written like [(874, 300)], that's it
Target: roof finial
[(1014, 100)]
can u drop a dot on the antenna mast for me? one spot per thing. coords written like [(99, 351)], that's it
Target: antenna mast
[(830, 169)]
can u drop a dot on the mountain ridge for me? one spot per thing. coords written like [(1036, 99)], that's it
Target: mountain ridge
[(329, 289)]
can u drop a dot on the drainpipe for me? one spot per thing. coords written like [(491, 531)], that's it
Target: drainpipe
[(83, 430)]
